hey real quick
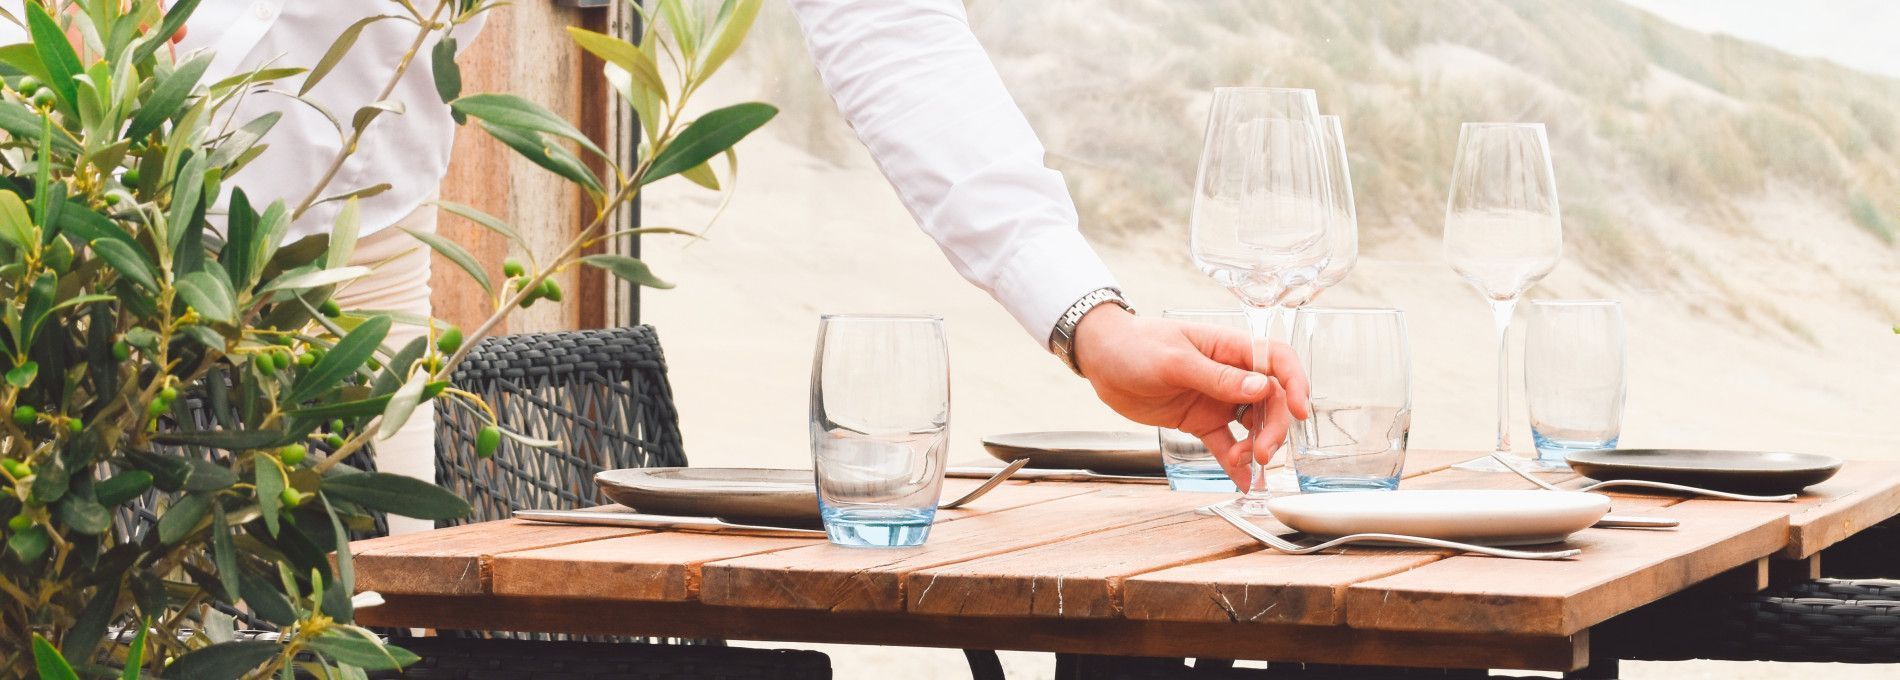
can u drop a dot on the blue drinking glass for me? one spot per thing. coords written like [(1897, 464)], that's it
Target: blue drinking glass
[(1359, 364), (1573, 376), (1190, 466), (880, 427)]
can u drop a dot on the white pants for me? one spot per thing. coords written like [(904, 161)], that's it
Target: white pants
[(399, 282)]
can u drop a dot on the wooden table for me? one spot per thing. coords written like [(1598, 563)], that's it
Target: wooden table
[(1121, 569)]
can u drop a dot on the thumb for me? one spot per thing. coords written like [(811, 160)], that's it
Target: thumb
[(1215, 379)]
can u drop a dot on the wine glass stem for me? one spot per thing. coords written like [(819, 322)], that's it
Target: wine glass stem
[(1262, 321), (1501, 311)]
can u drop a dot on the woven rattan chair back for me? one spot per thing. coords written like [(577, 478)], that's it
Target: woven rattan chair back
[(601, 394)]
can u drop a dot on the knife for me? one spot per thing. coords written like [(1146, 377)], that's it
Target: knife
[(1636, 522), (639, 520), (1048, 475)]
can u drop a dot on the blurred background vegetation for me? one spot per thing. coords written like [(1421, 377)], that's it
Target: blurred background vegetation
[(1665, 139)]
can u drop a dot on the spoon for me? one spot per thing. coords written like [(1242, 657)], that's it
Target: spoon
[(993, 482), (1291, 548), (1666, 486)]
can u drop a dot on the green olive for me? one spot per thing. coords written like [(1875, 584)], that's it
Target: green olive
[(330, 309), (168, 393), (550, 290), (20, 523), (25, 415), (156, 408), (121, 351), (43, 98), (75, 425), (334, 440), (487, 441), (307, 359), (336, 425), (29, 84), (290, 498), (512, 267), (130, 178), (449, 341), (17, 468), (292, 454)]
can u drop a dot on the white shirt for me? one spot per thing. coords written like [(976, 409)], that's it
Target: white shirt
[(409, 151), (923, 96)]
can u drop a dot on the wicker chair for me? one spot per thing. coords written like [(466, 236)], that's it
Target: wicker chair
[(605, 396)]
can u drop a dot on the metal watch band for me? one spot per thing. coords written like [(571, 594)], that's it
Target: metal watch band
[(1062, 338)]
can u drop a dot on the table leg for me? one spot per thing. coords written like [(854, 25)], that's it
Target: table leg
[(984, 665)]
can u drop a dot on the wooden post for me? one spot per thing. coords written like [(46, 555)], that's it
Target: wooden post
[(523, 49)]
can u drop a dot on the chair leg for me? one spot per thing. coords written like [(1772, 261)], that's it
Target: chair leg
[(1213, 664), (984, 665), (1599, 669)]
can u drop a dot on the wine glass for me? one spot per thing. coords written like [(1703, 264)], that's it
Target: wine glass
[(1342, 230), (1342, 240), (1262, 203), (1503, 234)]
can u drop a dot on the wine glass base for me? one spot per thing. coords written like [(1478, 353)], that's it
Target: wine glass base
[(1491, 464), (1243, 506)]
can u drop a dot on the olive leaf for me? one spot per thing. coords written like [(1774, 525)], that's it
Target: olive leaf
[(447, 74), (456, 254), (338, 49), (624, 56), (706, 137), (513, 112), (630, 269), (168, 96), (490, 222), (227, 661)]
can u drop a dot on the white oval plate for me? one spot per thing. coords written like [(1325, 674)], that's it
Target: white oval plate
[(1490, 517)]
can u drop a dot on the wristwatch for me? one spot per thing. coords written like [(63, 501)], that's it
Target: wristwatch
[(1062, 339)]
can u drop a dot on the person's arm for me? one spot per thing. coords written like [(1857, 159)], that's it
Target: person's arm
[(923, 96)]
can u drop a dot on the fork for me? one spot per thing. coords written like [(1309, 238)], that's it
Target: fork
[(1291, 548), (994, 480), (1665, 486)]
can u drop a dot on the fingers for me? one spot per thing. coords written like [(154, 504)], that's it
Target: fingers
[(1272, 432), (1220, 440), (1286, 366), (1234, 348), (1217, 367)]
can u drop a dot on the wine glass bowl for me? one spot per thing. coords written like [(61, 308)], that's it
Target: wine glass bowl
[(1262, 197), (1342, 228)]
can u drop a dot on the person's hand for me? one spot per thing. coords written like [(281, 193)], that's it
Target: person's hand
[(1190, 377)]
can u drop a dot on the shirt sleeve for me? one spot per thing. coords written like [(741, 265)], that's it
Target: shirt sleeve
[(923, 96)]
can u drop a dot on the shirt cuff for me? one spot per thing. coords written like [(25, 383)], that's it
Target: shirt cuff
[(1047, 275)]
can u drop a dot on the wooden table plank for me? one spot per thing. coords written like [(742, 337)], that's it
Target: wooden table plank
[(1862, 494), (456, 560), (1271, 587), (666, 565), (1078, 578), (451, 561), (1619, 570), (1082, 577), (1308, 644), (857, 579)]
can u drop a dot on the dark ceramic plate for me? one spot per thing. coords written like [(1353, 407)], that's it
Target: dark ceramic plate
[(1758, 472), (1116, 453), (751, 495)]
